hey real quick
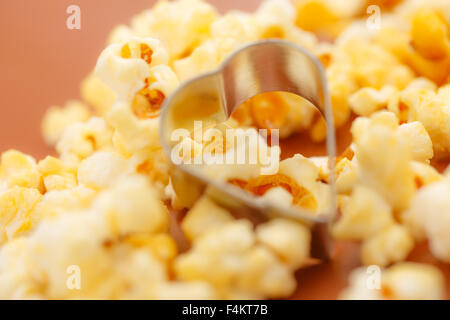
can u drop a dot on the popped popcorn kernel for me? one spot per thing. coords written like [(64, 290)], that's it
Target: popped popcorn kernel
[(16, 207), (18, 169), (413, 281), (288, 239), (56, 120), (364, 214), (393, 244), (203, 217)]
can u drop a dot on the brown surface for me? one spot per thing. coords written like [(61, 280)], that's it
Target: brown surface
[(42, 63)]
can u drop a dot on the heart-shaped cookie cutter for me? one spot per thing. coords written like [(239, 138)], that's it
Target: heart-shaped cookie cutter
[(258, 67)]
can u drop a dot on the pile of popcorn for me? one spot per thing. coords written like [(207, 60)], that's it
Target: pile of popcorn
[(101, 207)]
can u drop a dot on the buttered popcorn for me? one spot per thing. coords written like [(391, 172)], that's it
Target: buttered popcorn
[(100, 206)]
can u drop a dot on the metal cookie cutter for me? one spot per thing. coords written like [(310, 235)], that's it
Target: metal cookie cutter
[(263, 66)]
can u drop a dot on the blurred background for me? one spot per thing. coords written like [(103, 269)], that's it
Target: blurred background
[(42, 63)]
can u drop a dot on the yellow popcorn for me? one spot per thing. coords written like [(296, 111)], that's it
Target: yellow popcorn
[(56, 175), (346, 175), (278, 195), (154, 164), (132, 134), (233, 30), (217, 256), (429, 215), (415, 134), (204, 58), (180, 25), (18, 169), (413, 281), (204, 217), (434, 113), (402, 281), (59, 201), (361, 285), (424, 174), (258, 157), (393, 244), (367, 100), (108, 268), (319, 17), (288, 239), (364, 215), (276, 110), (342, 83), (129, 67), (384, 158), (306, 175), (229, 258), (56, 120), (132, 205), (434, 43), (97, 94), (16, 206), (80, 140), (161, 245), (265, 276), (101, 170), (404, 103)]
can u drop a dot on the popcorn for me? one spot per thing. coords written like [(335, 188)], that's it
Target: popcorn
[(403, 281), (305, 174), (364, 215), (265, 276), (288, 239), (367, 100), (18, 169), (16, 206), (415, 134), (428, 216), (393, 244), (56, 202), (80, 140), (101, 170), (384, 158), (125, 67), (277, 110), (228, 258), (204, 217), (434, 114), (346, 175), (108, 270), (413, 281), (131, 134), (56, 175), (359, 289), (180, 25), (95, 92), (424, 174), (57, 119)]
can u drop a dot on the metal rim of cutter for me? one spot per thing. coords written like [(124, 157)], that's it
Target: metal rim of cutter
[(259, 67)]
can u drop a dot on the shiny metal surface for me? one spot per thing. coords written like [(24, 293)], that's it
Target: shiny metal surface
[(263, 66)]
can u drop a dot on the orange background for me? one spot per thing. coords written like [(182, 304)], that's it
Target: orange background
[(42, 63)]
